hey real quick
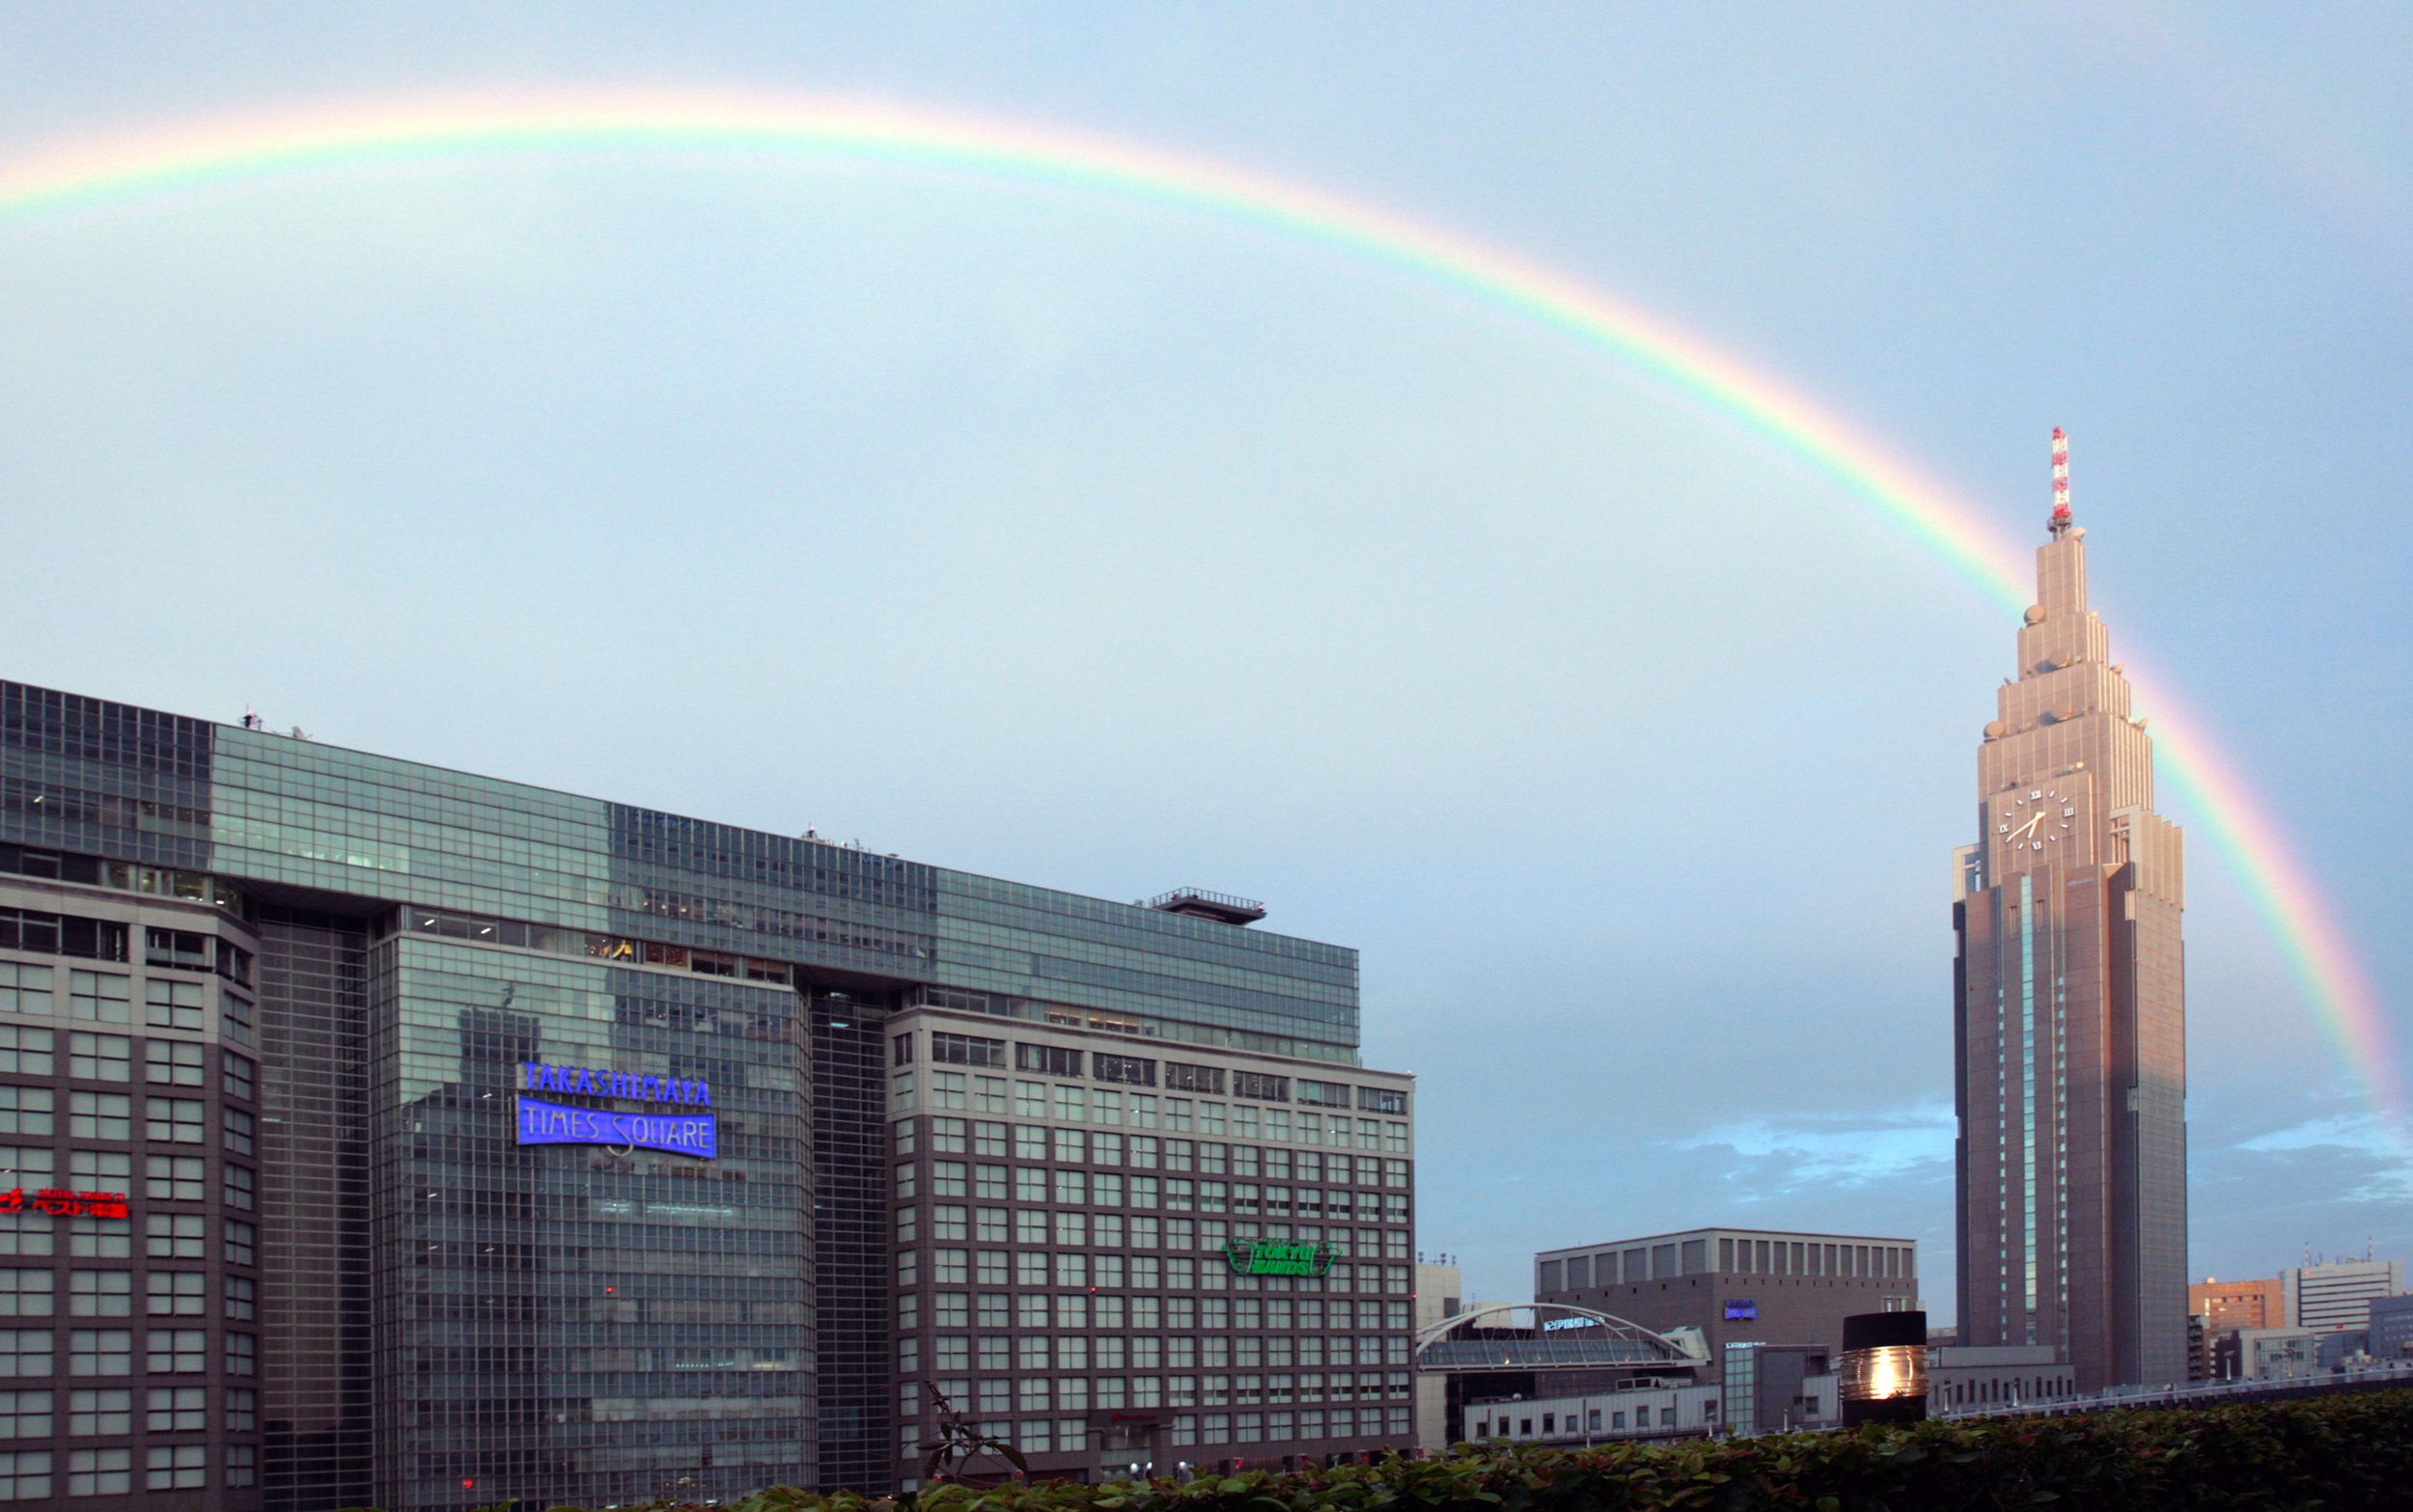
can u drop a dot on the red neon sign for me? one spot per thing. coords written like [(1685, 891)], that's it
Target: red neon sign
[(59, 1202)]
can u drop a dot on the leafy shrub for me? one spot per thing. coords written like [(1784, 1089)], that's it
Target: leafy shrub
[(2338, 1453)]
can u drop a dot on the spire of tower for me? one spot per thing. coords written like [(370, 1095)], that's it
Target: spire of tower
[(2061, 481)]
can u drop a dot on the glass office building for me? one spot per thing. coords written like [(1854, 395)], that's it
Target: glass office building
[(387, 1134)]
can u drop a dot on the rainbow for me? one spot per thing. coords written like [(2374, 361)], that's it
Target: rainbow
[(191, 157)]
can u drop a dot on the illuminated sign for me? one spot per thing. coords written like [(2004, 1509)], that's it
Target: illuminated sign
[(690, 1134), (61, 1204), (1275, 1258), (588, 1083), (1555, 1325), (1742, 1309)]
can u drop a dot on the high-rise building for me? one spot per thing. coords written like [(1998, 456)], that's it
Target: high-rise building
[(2070, 1034), (497, 1143), (2338, 1293)]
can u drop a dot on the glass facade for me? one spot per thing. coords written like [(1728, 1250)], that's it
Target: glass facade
[(432, 1300)]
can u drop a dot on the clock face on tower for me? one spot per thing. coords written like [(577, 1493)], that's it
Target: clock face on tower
[(2035, 819)]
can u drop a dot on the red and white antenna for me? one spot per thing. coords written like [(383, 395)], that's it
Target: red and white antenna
[(2061, 481)]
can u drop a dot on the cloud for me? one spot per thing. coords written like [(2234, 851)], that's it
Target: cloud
[(1778, 1156), (2368, 1157)]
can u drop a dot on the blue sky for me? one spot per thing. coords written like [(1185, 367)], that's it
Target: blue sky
[(1115, 549)]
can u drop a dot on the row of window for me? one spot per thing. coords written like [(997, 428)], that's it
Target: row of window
[(100, 1411), (1214, 1315), (1144, 1273), (1310, 1424), (1148, 1352), (33, 1111), (959, 1090), (29, 1476), (1151, 1152), (40, 933), (194, 887), (1178, 1194), (949, 1048), (110, 1294), (597, 946), (107, 998), (1214, 1391), (110, 1352), (166, 1236)]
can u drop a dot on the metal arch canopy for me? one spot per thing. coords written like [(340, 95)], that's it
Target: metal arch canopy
[(1603, 1342)]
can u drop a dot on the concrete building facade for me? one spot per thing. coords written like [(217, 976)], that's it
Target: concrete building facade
[(1737, 1285), (2069, 1029), (2338, 1293)]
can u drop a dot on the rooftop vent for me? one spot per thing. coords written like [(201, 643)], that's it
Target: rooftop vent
[(1198, 903)]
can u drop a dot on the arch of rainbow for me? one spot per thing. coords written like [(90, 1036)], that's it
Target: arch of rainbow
[(197, 155)]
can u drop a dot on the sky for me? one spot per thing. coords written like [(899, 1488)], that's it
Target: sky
[(1116, 547)]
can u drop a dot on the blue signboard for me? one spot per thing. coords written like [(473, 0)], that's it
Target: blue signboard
[(1742, 1308), (675, 1133)]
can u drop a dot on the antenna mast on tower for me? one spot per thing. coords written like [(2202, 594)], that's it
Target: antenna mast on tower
[(2061, 481)]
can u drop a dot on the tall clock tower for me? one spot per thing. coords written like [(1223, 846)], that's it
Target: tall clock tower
[(2069, 1035)]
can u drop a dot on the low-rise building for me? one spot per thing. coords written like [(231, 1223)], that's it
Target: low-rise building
[(1737, 1285), (2391, 1328), (2001, 1375)]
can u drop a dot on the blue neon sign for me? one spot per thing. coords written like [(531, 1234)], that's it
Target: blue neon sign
[(672, 1129)]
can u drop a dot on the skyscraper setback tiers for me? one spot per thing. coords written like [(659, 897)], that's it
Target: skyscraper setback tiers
[(2069, 1040)]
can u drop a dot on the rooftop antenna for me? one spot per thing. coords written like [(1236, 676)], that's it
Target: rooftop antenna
[(2060, 482)]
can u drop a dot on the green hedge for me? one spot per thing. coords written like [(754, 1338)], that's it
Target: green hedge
[(2346, 1451)]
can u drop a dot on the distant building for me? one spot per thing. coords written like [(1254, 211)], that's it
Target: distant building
[(1999, 1375), (2339, 1293), (2216, 1309), (2070, 1042), (1440, 1291), (1778, 1387), (2277, 1354), (1735, 1285), (2391, 1335), (2239, 1305)]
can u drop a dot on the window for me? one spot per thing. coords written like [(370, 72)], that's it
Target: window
[(168, 1004), (34, 1109), (174, 1236), (1046, 1059), (99, 1058), (1323, 1094), (178, 1409), (242, 1299), (173, 1121), (25, 1474), (242, 1355), (186, 950), (174, 1178), (966, 1050), (243, 1463), (26, 1293), (89, 1168), (27, 1050), (174, 1293), (171, 1063), (25, 1414), (1260, 1085), (243, 1411), (235, 1076), (1382, 1099), (100, 1352), (1180, 1075), (900, 1050), (25, 989), (1129, 1070), (101, 995), (235, 1011), (94, 1411), (99, 1472), (101, 1294), (239, 1129)]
